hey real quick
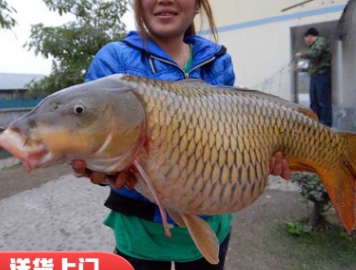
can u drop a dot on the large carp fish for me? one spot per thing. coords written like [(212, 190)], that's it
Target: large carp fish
[(195, 148)]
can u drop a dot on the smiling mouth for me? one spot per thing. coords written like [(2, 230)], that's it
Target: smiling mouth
[(165, 14)]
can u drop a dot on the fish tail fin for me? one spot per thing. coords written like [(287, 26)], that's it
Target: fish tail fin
[(340, 184), (351, 151), (203, 237)]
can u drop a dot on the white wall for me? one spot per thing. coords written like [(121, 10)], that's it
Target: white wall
[(257, 35)]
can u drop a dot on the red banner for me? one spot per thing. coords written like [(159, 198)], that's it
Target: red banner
[(62, 261)]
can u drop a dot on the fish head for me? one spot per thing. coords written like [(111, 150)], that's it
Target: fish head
[(99, 122)]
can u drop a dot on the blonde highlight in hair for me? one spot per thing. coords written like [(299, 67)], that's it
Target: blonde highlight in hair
[(209, 14), (203, 4)]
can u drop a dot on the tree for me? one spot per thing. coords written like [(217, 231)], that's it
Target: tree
[(74, 44), (6, 20), (312, 189)]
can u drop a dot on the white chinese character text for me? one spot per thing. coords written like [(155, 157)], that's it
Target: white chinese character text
[(87, 260), (20, 264), (46, 264)]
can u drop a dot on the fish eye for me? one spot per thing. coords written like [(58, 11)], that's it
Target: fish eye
[(54, 106), (79, 109)]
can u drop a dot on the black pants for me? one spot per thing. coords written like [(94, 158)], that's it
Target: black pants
[(203, 264)]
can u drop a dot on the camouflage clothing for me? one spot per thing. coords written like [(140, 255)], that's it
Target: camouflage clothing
[(319, 57)]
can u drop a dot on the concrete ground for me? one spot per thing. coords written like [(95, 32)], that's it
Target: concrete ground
[(51, 210)]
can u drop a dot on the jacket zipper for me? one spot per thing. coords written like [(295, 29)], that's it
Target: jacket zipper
[(186, 75)]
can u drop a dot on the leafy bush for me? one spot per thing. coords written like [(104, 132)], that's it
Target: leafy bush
[(72, 46), (296, 228), (312, 189), (6, 15)]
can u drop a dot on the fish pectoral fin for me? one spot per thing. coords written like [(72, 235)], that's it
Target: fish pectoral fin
[(203, 237), (177, 217), (155, 195)]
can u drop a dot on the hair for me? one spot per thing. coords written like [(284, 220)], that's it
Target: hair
[(312, 31), (204, 4)]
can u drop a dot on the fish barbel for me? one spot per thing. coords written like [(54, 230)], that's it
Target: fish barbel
[(195, 148)]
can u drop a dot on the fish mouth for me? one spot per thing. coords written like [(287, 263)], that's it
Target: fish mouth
[(32, 153)]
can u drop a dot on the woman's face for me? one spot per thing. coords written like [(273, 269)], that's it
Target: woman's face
[(168, 18)]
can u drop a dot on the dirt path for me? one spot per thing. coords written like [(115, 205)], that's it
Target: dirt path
[(247, 247), (13, 179)]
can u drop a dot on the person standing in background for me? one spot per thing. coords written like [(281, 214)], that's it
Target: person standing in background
[(319, 57)]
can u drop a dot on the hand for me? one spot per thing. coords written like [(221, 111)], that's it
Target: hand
[(116, 179), (279, 166), (298, 70), (298, 55)]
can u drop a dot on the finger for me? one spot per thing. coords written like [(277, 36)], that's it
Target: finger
[(286, 172), (112, 173), (78, 167), (279, 157), (130, 184), (121, 179), (97, 177), (277, 170), (272, 163)]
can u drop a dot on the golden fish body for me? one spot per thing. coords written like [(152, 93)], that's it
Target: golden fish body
[(209, 147), (195, 148)]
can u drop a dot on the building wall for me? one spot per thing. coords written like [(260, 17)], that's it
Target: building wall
[(14, 89), (6, 103), (9, 115), (344, 69), (258, 37)]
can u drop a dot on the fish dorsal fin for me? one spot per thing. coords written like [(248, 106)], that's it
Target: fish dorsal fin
[(295, 106), (177, 217), (194, 83), (308, 112), (300, 108), (203, 237), (154, 193)]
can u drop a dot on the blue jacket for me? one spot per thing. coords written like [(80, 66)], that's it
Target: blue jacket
[(132, 56)]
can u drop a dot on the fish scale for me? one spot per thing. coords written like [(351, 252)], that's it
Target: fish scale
[(206, 135), (215, 162), (195, 148)]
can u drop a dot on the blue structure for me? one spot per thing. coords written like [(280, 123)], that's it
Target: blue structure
[(13, 88), (19, 103)]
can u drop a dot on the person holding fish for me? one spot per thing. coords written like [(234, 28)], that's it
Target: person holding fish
[(165, 47), (199, 149)]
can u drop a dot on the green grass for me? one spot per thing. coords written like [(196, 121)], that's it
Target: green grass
[(4, 154), (11, 167), (331, 249)]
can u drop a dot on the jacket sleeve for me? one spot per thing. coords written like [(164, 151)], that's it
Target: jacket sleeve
[(317, 50), (223, 71), (229, 70), (105, 63)]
